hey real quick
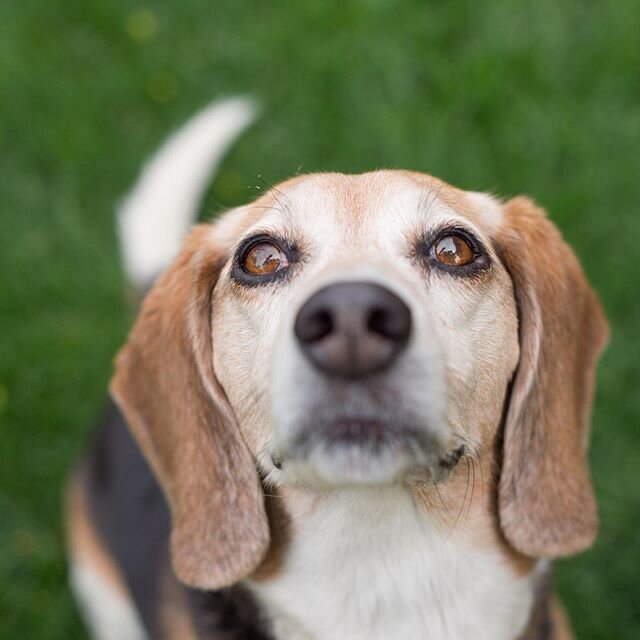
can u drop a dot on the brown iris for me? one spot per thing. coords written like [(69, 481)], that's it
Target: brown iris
[(453, 250), (264, 258)]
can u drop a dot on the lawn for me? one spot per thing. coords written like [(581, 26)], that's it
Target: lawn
[(537, 97)]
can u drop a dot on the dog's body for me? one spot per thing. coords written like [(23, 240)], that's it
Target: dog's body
[(360, 411), (122, 572)]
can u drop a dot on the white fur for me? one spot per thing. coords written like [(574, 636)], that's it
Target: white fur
[(368, 565), (156, 215), (489, 208), (450, 381), (107, 613)]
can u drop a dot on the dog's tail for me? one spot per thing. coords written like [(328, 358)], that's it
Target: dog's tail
[(156, 215)]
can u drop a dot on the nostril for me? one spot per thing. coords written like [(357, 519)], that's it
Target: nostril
[(315, 326), (378, 322), (320, 326), (393, 324)]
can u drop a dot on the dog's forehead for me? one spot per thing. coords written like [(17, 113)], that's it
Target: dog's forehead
[(381, 206)]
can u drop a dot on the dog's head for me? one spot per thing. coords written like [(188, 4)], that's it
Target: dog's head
[(364, 330)]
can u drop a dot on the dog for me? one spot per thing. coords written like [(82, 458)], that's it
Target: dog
[(356, 408)]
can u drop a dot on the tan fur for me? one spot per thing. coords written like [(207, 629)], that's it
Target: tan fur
[(165, 384), (280, 528), (202, 431), (175, 618), (560, 621), (465, 508), (547, 506)]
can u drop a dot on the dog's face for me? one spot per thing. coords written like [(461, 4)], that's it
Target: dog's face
[(364, 330)]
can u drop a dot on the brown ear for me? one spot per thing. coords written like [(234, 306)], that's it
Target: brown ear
[(165, 385), (546, 502)]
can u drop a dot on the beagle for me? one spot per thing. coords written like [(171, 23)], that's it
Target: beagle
[(356, 408)]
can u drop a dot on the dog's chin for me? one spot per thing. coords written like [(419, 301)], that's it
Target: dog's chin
[(345, 467), (353, 453)]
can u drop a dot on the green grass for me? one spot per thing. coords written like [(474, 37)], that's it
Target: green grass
[(537, 97)]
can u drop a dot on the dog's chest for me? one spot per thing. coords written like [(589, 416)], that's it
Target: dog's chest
[(368, 565)]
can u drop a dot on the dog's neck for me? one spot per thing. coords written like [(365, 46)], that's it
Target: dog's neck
[(379, 563)]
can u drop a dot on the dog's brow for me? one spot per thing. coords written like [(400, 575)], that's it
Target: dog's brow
[(428, 197), (282, 199), (281, 204), (267, 207)]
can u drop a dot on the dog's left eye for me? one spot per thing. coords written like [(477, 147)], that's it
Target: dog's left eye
[(264, 258)]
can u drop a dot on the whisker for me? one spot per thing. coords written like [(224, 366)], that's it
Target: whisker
[(442, 502), (276, 192), (249, 402), (473, 487), (464, 500), (482, 496), (266, 207)]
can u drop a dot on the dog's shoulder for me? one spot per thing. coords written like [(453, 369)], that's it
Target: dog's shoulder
[(124, 506)]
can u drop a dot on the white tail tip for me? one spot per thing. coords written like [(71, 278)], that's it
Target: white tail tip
[(156, 215)]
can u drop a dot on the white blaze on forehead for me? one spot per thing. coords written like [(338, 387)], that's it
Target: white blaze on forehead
[(488, 208), (346, 215), (355, 213), (305, 208)]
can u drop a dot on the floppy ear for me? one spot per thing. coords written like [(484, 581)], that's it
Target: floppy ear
[(165, 385), (546, 502)]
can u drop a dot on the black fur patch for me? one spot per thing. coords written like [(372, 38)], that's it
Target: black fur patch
[(540, 625), (132, 519), (131, 516)]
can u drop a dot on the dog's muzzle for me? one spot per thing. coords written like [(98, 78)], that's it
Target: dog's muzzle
[(362, 411)]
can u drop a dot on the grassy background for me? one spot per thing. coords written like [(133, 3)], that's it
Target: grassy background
[(538, 97)]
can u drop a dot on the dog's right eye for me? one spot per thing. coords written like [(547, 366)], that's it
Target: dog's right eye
[(453, 250), (264, 258)]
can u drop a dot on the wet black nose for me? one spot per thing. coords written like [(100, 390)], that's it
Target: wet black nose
[(353, 329)]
